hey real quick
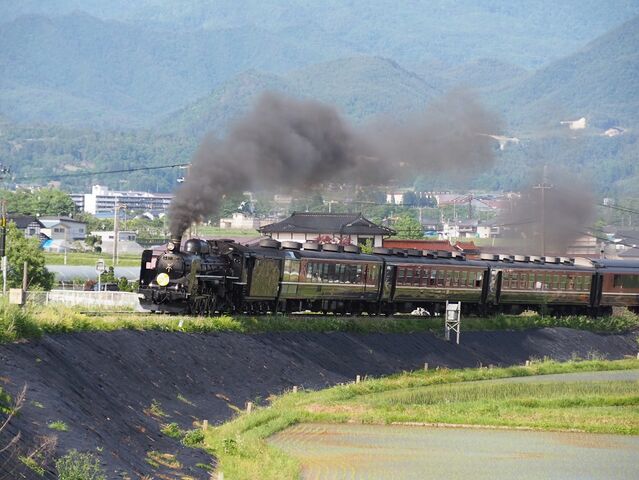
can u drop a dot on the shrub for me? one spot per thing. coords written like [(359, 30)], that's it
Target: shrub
[(16, 322), (59, 425), (79, 466), (193, 438)]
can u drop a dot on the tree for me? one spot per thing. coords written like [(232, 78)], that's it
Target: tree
[(408, 227), (20, 250), (44, 201)]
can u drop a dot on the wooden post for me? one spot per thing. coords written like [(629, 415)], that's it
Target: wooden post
[(25, 277), (528, 363), (358, 379), (426, 366), (205, 425), (249, 407), (294, 388)]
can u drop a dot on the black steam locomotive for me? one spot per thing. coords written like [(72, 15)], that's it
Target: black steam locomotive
[(224, 276)]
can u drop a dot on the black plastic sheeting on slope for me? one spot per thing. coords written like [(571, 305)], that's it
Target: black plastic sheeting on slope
[(100, 384)]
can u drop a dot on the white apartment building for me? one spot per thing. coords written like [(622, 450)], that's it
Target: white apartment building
[(103, 200)]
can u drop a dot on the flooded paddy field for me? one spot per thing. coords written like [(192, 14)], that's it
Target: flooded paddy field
[(346, 451)]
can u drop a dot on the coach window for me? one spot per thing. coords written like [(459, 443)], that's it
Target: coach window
[(480, 277), (626, 281), (463, 277), (358, 275), (531, 280), (401, 274), (579, 282), (439, 281), (409, 277), (587, 280), (472, 278), (555, 281)]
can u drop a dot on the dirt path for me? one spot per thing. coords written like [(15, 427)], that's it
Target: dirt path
[(102, 385)]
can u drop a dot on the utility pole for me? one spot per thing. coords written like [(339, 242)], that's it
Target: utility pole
[(542, 187), (3, 244), (116, 232)]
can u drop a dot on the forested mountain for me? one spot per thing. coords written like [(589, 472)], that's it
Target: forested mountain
[(599, 82), (94, 85), (525, 33), (127, 64), (360, 87), (80, 70)]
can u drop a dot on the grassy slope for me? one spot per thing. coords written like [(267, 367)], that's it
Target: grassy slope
[(432, 397), (34, 321)]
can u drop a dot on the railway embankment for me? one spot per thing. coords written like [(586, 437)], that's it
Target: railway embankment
[(118, 394)]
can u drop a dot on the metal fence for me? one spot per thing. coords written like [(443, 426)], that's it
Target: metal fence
[(86, 299)]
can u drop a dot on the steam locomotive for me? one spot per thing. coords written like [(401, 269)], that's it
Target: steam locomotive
[(227, 277)]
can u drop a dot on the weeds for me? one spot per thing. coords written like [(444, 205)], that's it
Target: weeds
[(34, 321), (59, 425), (32, 465), (79, 466), (155, 410)]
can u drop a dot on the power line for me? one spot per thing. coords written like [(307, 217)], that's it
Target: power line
[(101, 172)]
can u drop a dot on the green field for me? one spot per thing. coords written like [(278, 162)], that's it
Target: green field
[(433, 397), (90, 258)]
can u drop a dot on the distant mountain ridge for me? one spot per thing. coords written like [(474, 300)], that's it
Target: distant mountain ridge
[(360, 87), (125, 71), (599, 82)]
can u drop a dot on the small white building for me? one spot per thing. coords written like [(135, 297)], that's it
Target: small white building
[(240, 221), (127, 241), (109, 235)]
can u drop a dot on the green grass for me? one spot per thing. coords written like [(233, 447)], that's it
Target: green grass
[(59, 425), (89, 258), (439, 396), (34, 321)]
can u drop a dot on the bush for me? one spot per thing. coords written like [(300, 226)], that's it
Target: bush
[(79, 466), (16, 322), (193, 438)]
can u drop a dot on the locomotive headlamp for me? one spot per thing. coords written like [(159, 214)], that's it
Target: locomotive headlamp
[(162, 279), (170, 247)]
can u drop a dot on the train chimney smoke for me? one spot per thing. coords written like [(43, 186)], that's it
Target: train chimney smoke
[(551, 214), (285, 142)]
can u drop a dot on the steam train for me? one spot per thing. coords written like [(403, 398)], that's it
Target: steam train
[(226, 277)]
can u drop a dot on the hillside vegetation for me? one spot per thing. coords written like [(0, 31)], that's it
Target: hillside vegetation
[(599, 82)]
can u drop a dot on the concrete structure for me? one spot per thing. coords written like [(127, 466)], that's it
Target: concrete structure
[(64, 228), (342, 228), (86, 299), (102, 200), (127, 241), (240, 221)]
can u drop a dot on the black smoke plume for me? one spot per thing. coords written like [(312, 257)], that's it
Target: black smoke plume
[(285, 142), (548, 223)]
